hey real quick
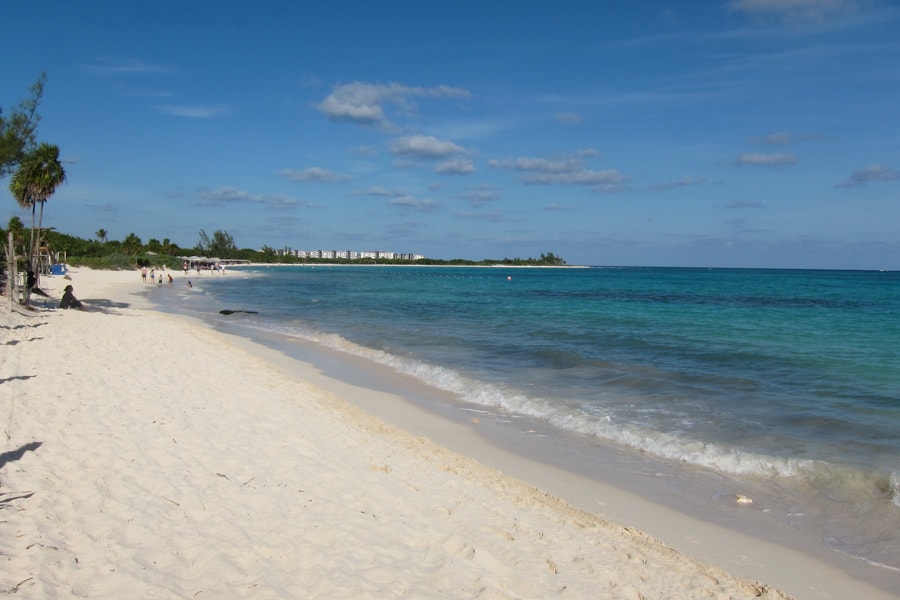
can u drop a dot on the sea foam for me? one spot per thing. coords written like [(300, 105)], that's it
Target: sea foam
[(566, 417)]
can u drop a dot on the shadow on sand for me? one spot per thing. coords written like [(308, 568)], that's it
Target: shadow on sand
[(12, 455), (16, 377), (104, 303)]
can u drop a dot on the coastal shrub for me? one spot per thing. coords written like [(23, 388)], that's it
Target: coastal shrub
[(115, 262), (124, 262)]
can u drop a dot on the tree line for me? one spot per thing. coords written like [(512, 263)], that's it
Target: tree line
[(103, 252)]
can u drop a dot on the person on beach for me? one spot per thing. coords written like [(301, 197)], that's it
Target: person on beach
[(144, 274), (171, 281), (69, 300)]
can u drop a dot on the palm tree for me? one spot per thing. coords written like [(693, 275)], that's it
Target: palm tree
[(39, 174), (101, 235)]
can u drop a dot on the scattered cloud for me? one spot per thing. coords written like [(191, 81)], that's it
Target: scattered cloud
[(364, 103), (766, 160), (492, 217), (149, 94), (739, 204), (456, 166), (410, 202), (783, 138), (481, 195), (779, 138), (541, 165), (399, 198), (225, 196), (377, 190), (313, 174), (424, 147), (795, 10), (605, 178), (670, 185), (197, 111), (565, 171), (364, 150), (125, 67), (871, 174), (569, 118)]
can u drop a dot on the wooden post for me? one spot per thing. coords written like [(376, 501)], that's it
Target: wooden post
[(11, 273)]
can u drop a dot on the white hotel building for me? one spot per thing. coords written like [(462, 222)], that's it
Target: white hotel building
[(349, 254)]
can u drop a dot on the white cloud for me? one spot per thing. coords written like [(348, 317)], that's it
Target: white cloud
[(314, 174), (125, 67), (779, 138), (565, 171), (605, 178), (670, 185), (224, 196), (423, 146), (413, 203), (783, 138), (364, 150), (492, 217), (739, 204), (364, 102), (456, 166), (481, 195), (196, 111), (377, 190), (569, 118), (794, 10), (871, 174), (541, 165), (767, 160)]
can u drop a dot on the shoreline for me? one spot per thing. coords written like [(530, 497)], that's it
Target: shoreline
[(119, 297), (529, 452)]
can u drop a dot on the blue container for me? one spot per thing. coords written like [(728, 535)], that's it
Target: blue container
[(58, 269)]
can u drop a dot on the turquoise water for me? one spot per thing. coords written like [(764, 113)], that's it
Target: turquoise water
[(778, 376)]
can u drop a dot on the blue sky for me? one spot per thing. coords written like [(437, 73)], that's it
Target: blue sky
[(744, 133)]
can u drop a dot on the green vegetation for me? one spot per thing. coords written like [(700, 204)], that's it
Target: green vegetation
[(38, 175), (18, 128)]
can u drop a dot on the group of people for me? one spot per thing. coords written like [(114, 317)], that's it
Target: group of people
[(153, 277), (70, 301), (212, 267)]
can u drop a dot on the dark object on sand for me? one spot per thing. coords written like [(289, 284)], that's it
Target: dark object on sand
[(231, 312), (69, 300)]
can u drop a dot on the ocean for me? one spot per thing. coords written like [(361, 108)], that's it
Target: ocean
[(782, 385)]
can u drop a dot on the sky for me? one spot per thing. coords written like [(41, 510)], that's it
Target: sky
[(719, 133)]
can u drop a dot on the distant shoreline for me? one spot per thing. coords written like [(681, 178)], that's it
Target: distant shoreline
[(492, 266)]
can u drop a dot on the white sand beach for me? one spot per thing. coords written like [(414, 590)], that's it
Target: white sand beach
[(145, 455)]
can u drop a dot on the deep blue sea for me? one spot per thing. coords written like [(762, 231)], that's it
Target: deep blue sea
[(788, 380)]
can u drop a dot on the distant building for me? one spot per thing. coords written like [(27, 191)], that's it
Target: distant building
[(347, 254)]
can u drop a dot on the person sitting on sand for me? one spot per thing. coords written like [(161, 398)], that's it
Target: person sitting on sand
[(69, 300)]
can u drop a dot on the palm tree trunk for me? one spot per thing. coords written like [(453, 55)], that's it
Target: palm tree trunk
[(26, 292), (31, 241)]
